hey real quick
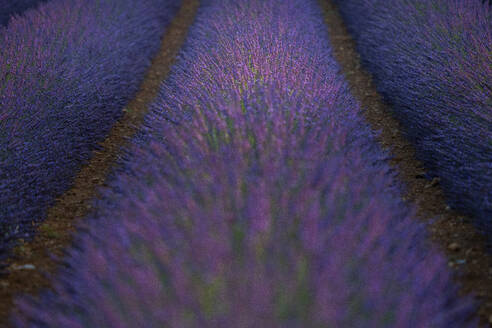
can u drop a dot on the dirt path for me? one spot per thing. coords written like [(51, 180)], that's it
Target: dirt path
[(32, 261), (462, 244)]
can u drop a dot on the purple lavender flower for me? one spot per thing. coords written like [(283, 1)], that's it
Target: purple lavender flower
[(67, 70), (256, 196), (12, 8), (431, 59)]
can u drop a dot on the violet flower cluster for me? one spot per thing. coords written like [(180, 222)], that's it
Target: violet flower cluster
[(67, 70), (11, 8), (256, 196), (432, 61)]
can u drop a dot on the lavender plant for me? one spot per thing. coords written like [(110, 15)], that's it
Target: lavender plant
[(256, 196), (10, 8), (432, 61), (67, 70)]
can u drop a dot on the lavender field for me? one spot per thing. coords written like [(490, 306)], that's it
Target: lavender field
[(66, 72), (255, 194), (432, 60), (10, 9)]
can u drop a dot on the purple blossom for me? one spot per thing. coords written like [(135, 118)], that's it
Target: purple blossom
[(13, 8), (67, 70), (256, 196), (431, 60)]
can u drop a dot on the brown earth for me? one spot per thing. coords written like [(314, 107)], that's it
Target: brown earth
[(453, 231), (33, 261)]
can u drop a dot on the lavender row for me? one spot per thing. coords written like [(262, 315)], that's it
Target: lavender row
[(67, 70), (431, 59), (255, 197), (10, 8)]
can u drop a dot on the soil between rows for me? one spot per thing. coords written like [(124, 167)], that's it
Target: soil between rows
[(452, 231), (32, 262)]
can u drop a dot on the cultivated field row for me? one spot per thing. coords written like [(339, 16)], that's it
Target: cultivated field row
[(255, 193)]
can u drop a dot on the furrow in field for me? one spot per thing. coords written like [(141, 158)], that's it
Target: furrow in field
[(54, 235)]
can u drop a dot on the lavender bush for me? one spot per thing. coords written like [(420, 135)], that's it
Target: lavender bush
[(66, 72), (255, 197), (10, 8), (431, 59)]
